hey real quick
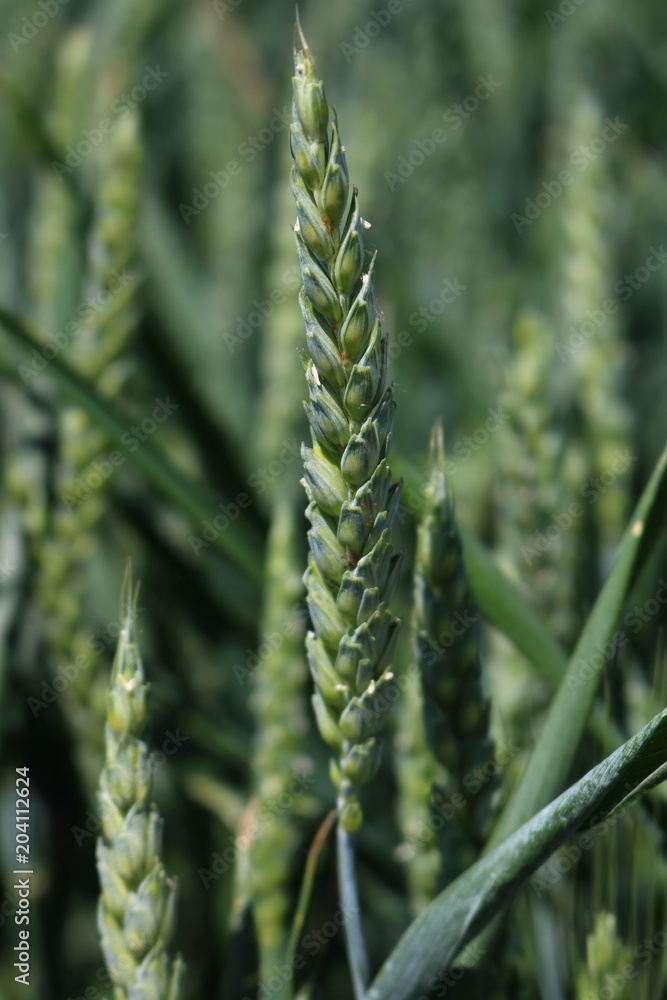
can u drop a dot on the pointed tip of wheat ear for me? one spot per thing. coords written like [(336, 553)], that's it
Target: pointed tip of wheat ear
[(438, 487), (437, 444), (129, 597), (300, 43)]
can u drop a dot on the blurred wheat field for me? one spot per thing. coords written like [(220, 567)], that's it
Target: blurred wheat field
[(511, 159)]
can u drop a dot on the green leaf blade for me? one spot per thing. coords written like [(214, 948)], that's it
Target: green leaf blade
[(458, 914)]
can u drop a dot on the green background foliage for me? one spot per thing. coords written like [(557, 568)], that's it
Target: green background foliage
[(525, 310)]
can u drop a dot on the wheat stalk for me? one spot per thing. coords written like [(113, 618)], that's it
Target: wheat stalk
[(352, 568), (137, 902)]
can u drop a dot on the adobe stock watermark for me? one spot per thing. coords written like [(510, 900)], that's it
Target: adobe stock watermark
[(104, 977), (261, 310), (591, 492), (420, 318), (144, 772), (567, 856), (102, 468), (125, 963), (444, 982), (85, 312), (259, 481), (454, 118), (7, 569), (93, 137), (224, 7), (449, 293), (247, 151), (446, 808), (633, 622), (31, 26), (272, 641), (616, 983), (279, 976), (580, 160), (566, 8), (464, 448), (7, 907), (364, 34), (66, 674), (266, 815), (624, 288)]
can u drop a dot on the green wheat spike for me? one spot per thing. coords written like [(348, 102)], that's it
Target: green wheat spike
[(54, 279), (137, 903), (281, 676), (589, 343), (456, 712), (606, 958), (416, 773), (352, 568), (542, 470), (279, 710), (97, 353)]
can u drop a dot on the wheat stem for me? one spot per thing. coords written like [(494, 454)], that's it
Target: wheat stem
[(349, 899)]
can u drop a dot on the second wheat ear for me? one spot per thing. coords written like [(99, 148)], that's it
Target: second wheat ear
[(352, 566), (136, 913)]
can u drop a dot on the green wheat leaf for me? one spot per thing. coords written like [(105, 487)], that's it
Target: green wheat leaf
[(433, 941), (240, 546)]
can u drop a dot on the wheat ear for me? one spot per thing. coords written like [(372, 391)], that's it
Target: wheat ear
[(456, 713), (279, 708), (137, 902), (352, 568)]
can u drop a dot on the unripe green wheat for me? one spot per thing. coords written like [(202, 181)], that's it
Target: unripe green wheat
[(597, 363), (606, 959), (97, 352), (281, 677), (456, 713), (278, 705), (137, 902), (416, 773), (542, 470), (352, 568)]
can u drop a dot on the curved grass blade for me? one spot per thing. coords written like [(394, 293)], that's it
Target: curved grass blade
[(240, 546), (503, 605), (432, 942), (306, 892)]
